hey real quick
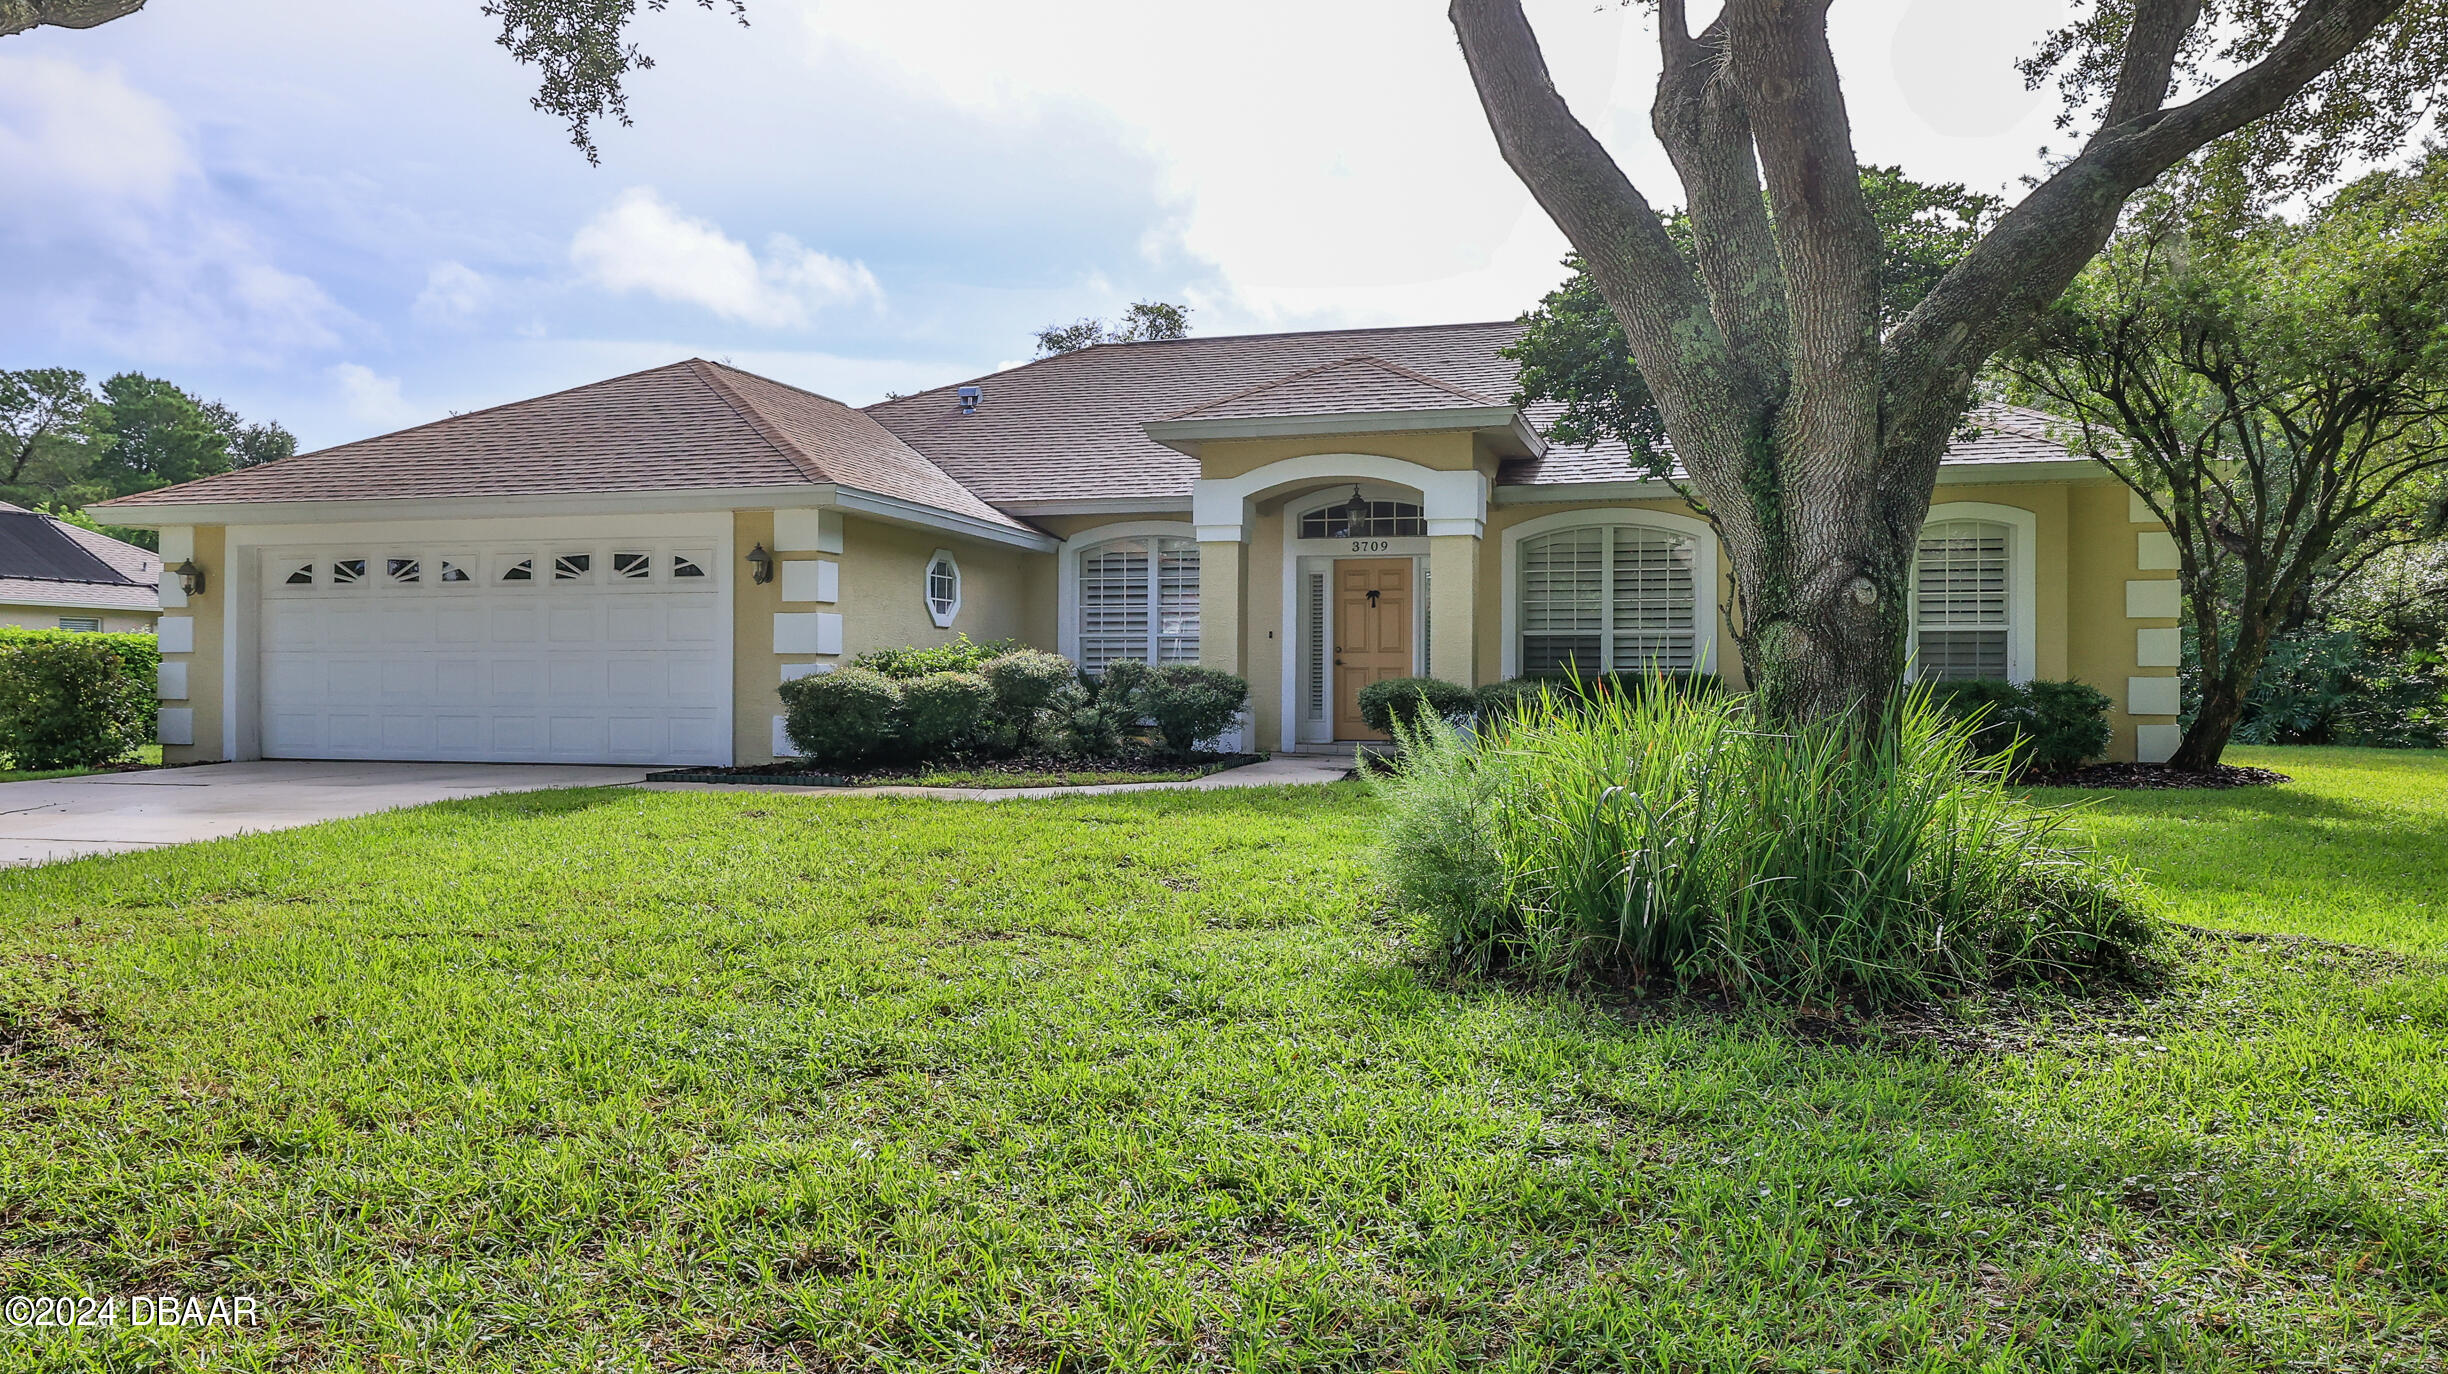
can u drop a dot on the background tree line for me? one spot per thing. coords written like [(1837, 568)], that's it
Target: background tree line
[(65, 442)]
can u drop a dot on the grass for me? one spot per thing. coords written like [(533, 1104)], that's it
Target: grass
[(623, 1080), (2354, 850), (150, 756)]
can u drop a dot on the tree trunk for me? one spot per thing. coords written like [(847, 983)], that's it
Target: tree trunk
[(2222, 708)]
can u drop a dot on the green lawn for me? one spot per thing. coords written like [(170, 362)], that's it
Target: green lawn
[(617, 1080), (2356, 849)]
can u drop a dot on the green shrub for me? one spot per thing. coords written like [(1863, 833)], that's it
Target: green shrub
[(941, 712), (72, 701), (962, 655), (1658, 835), (2049, 727), (1990, 707), (1189, 704), (842, 719), (1103, 713), (139, 653), (2067, 726), (1402, 700), (1026, 682)]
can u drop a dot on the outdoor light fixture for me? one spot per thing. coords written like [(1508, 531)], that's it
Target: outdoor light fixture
[(191, 578), (760, 565), (1355, 511)]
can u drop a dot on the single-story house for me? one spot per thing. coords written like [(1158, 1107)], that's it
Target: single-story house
[(58, 576), (627, 571)]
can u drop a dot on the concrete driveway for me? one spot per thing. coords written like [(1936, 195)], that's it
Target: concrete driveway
[(111, 813)]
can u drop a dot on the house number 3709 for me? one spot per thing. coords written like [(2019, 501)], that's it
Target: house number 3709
[(1371, 545)]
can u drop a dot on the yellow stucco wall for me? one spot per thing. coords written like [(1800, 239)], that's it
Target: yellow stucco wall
[(1446, 451), (49, 618)]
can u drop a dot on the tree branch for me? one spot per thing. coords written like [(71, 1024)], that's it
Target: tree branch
[(2159, 28), (17, 16), (1699, 119), (2000, 287), (1701, 388)]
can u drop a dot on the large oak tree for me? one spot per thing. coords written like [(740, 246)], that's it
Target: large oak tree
[(1811, 436)]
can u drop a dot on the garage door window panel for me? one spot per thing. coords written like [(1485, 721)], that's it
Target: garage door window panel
[(519, 571), (573, 567)]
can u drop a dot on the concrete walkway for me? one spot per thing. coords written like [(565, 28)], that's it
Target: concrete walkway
[(112, 813), (1283, 769)]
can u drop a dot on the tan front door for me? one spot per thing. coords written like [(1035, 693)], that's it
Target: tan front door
[(1372, 633)]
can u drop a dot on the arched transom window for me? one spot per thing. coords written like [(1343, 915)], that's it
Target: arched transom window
[(1138, 598), (1961, 615), (1609, 599), (1385, 520)]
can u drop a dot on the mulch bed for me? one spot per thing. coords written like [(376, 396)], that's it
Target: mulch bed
[(2158, 777), (1020, 770)]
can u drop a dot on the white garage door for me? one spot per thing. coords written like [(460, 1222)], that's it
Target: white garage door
[(587, 651)]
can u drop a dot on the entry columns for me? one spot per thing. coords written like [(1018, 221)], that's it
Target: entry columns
[(1453, 608)]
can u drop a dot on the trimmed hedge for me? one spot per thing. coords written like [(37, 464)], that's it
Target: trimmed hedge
[(1189, 703), (1402, 701), (962, 655), (941, 712), (844, 718), (71, 700), (2053, 727)]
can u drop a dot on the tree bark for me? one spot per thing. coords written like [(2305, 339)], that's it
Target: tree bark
[(17, 16), (1811, 443)]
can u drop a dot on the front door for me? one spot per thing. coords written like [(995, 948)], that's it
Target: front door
[(1372, 633)]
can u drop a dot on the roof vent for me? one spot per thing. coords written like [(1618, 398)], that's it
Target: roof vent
[(969, 396)]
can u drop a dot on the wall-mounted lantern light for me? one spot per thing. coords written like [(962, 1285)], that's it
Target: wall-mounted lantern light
[(1355, 512), (760, 565), (191, 578)]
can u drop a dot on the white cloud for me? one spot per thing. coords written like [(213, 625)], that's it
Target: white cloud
[(113, 237), (375, 399), (454, 294), (642, 243), (88, 133)]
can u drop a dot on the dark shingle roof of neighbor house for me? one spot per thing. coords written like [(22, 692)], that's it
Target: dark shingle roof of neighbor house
[(687, 425), (46, 561), (1071, 427)]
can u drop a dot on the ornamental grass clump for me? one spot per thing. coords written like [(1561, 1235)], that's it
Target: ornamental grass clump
[(1663, 837)]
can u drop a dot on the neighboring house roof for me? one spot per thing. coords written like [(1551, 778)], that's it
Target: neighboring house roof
[(49, 562), (688, 425)]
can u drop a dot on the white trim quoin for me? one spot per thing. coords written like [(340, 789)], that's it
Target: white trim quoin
[(2022, 582), (1705, 574)]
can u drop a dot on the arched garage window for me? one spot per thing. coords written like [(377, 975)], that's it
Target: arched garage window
[(1962, 610), (1138, 598), (1609, 598)]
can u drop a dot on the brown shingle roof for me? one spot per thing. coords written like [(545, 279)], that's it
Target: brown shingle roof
[(1068, 427), (687, 425), (1347, 386)]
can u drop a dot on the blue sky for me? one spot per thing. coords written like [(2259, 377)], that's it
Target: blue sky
[(346, 217)]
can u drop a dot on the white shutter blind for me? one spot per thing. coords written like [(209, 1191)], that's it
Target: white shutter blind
[(1563, 602), (1138, 598), (1960, 609), (1113, 604), (1654, 601)]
